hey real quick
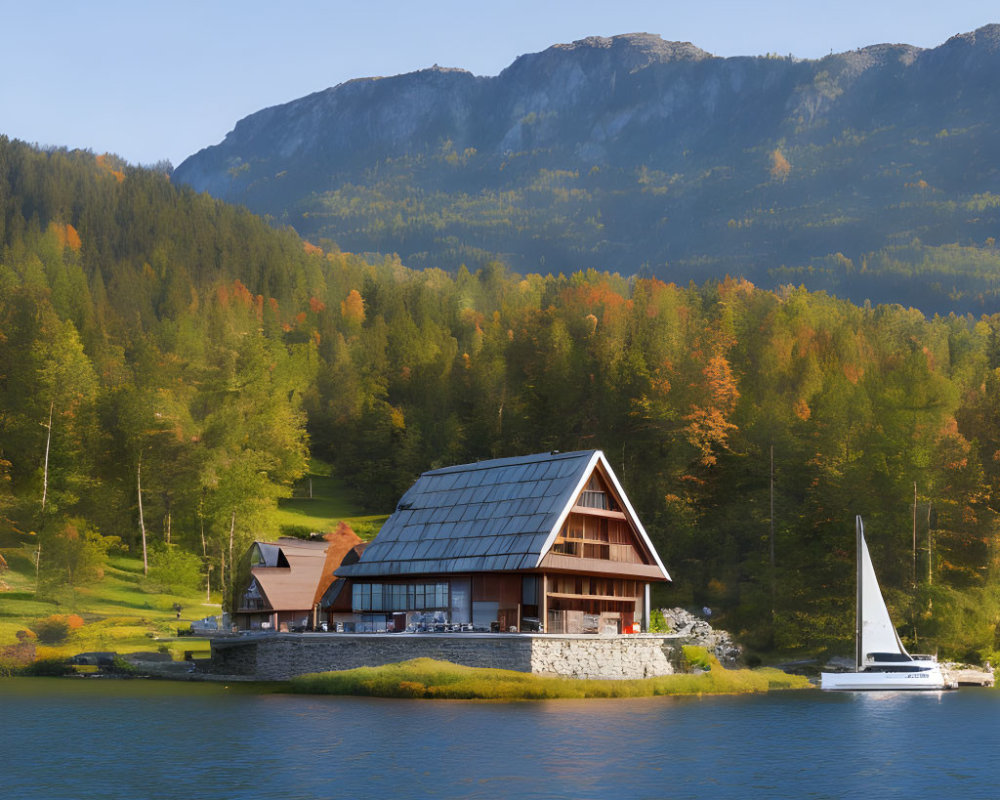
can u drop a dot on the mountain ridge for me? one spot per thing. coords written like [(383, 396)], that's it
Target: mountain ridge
[(409, 163)]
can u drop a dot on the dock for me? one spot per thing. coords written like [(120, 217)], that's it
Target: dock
[(965, 675)]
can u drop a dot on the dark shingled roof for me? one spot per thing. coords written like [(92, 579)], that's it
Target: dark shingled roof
[(490, 516)]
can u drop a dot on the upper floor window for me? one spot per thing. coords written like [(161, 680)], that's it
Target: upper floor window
[(595, 495), (257, 557), (591, 499)]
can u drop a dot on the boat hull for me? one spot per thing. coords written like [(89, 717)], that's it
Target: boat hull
[(929, 680)]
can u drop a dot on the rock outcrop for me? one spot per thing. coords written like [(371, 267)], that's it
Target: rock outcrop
[(697, 628)]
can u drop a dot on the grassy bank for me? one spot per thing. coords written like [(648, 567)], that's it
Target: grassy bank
[(427, 678), (114, 613), (120, 612), (320, 502)]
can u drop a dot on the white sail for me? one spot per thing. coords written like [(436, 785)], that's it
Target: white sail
[(878, 635), (882, 661)]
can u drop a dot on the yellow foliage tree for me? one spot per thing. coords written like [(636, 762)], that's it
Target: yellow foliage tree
[(779, 165), (353, 307)]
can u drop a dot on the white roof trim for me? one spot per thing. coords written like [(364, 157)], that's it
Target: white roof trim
[(550, 540), (632, 515), (598, 457)]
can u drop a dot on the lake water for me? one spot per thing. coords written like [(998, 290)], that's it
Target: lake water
[(79, 739)]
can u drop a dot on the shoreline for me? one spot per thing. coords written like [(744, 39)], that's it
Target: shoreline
[(425, 678)]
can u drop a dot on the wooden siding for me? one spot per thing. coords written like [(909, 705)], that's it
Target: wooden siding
[(594, 566)]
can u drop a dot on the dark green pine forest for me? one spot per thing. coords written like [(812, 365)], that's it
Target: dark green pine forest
[(163, 346)]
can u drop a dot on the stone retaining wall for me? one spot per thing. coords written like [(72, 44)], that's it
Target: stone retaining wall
[(279, 656)]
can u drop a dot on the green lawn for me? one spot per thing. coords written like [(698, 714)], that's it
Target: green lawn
[(117, 613), (329, 504)]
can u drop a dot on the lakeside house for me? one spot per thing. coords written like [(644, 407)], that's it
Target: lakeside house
[(546, 542), (279, 584)]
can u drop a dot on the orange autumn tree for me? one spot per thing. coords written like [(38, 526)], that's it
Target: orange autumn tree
[(708, 425), (780, 167), (113, 164), (66, 235)]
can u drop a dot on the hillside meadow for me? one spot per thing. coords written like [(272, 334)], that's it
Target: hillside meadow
[(121, 610), (112, 614)]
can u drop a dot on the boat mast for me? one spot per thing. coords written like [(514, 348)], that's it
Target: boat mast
[(858, 623)]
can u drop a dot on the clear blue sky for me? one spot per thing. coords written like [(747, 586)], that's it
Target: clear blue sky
[(153, 80)]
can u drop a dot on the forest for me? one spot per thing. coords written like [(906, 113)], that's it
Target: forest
[(774, 215), (168, 364)]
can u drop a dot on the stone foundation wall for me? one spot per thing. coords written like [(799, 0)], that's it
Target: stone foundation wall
[(614, 657), (281, 656)]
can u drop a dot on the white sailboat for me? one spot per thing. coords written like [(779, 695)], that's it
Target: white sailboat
[(881, 661)]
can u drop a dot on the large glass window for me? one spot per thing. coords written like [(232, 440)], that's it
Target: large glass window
[(529, 590), (392, 597), (252, 597), (461, 600)]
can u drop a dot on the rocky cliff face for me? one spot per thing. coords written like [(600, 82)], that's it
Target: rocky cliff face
[(856, 128), (620, 99), (345, 128), (586, 99)]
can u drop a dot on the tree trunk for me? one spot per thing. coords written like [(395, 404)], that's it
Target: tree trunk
[(208, 566), (166, 520), (232, 531), (142, 522), (45, 470), (914, 552), (771, 536)]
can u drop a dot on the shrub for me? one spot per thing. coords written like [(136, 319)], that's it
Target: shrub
[(14, 657), (48, 668), (52, 630), (119, 666), (74, 553), (173, 570), (657, 622), (296, 531), (698, 657)]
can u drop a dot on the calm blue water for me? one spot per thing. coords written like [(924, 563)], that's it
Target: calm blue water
[(141, 739)]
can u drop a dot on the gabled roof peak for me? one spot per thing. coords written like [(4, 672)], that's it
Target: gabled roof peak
[(488, 516)]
